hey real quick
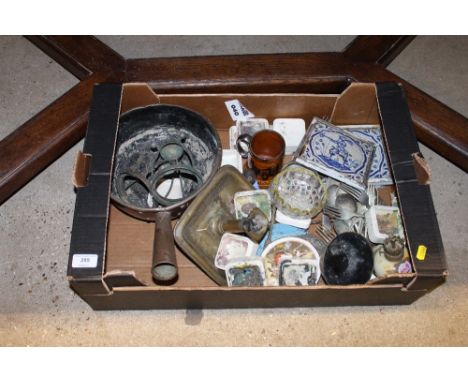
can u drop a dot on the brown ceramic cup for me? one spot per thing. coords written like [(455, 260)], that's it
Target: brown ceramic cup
[(266, 153)]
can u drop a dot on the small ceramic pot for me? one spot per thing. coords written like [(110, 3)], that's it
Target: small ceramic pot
[(391, 257)]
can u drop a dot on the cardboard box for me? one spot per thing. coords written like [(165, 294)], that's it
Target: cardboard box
[(111, 252)]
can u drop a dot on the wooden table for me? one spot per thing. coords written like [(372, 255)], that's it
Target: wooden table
[(51, 132)]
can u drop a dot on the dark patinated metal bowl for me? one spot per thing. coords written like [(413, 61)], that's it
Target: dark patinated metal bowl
[(151, 127)]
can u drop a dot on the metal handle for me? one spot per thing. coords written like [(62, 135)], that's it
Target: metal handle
[(243, 145), (255, 225), (164, 269)]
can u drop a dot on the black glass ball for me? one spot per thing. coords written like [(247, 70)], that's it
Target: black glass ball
[(348, 260)]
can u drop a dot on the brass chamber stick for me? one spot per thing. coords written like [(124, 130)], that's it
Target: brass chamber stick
[(255, 225)]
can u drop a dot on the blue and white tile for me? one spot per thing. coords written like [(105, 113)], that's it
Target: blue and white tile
[(337, 153), (379, 174)]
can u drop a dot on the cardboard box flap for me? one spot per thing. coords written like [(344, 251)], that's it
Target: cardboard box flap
[(81, 169), (403, 279), (416, 205), (122, 278), (357, 105), (89, 231), (427, 282), (137, 95), (269, 106), (423, 171), (90, 286)]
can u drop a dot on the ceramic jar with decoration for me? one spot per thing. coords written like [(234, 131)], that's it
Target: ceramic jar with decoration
[(391, 257)]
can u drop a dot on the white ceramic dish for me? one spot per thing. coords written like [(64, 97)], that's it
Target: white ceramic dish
[(295, 222), (233, 158), (292, 130), (233, 246)]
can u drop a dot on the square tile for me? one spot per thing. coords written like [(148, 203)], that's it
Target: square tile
[(380, 174), (336, 153)]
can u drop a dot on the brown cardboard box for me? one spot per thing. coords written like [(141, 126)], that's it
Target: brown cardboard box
[(118, 248)]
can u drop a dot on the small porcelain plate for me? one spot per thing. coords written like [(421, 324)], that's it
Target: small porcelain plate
[(337, 153)]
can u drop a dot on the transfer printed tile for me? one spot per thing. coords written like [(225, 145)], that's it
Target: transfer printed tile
[(379, 174), (336, 153)]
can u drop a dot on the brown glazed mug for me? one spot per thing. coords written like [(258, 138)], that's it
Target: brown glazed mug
[(265, 154)]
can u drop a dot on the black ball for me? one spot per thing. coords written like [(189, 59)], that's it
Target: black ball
[(348, 260)]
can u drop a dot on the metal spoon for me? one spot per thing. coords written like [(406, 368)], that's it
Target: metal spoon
[(346, 202)]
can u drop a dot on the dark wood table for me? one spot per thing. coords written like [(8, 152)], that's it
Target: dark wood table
[(51, 132)]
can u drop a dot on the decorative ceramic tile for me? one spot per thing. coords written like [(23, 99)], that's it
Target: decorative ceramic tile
[(336, 153), (379, 173), (287, 248)]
